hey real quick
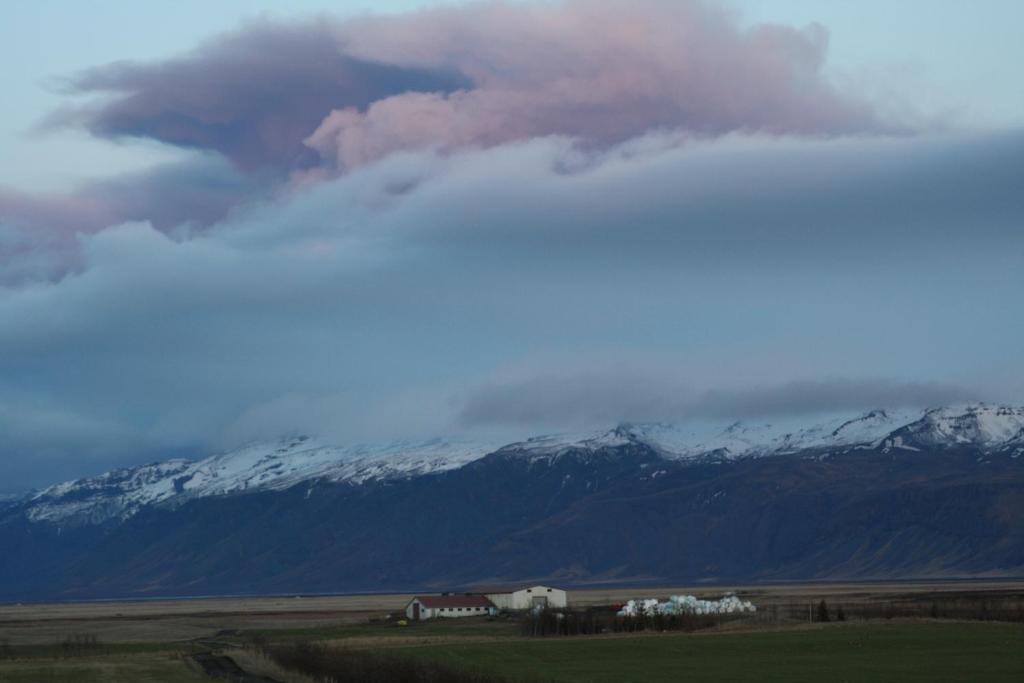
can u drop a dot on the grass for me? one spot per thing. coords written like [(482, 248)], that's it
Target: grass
[(57, 651), (856, 651), (138, 668), (145, 641), (475, 627), (905, 652)]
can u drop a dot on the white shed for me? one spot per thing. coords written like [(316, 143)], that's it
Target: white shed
[(529, 597), (448, 606)]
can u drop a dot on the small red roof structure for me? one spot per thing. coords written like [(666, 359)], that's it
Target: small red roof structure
[(457, 600)]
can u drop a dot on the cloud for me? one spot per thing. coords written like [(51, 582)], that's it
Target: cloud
[(588, 390), (481, 74), (290, 104), (684, 219), (196, 193), (554, 400), (253, 95), (731, 277), (45, 443), (830, 395), (40, 233), (60, 213), (538, 70)]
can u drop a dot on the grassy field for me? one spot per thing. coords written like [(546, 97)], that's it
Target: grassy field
[(866, 651), (340, 616), (149, 640), (837, 652), (119, 668)]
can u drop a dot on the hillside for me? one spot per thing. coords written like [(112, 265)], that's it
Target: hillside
[(879, 495)]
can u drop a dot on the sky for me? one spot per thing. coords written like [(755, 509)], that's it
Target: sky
[(223, 222)]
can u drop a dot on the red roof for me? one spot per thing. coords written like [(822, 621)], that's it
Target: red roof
[(463, 600)]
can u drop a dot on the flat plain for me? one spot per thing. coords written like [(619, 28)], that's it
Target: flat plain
[(863, 651), (154, 640)]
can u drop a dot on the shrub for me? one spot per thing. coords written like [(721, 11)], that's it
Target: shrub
[(79, 645), (351, 666)]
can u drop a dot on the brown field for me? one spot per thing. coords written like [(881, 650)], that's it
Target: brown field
[(162, 621), (172, 620), (167, 640)]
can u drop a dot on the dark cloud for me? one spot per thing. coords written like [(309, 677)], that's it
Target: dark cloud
[(824, 396), (196, 193), (556, 400), (253, 95), (602, 396)]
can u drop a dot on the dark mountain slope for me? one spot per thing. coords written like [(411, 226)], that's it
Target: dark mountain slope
[(610, 514)]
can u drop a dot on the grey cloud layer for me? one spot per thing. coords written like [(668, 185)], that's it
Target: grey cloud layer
[(595, 397), (39, 233), (484, 217), (364, 311)]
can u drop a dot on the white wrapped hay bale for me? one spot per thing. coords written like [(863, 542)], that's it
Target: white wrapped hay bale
[(686, 604)]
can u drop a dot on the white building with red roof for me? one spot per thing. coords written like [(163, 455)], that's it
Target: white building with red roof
[(449, 605)]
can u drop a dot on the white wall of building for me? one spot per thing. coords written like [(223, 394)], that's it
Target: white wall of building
[(501, 600), (445, 612), (524, 598), (425, 612)]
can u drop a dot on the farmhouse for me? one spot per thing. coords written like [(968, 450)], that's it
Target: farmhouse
[(529, 597), (448, 605)]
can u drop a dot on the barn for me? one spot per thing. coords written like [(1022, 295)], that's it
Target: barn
[(449, 605), (529, 597)]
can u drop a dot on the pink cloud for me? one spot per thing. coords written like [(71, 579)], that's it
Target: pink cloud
[(278, 106), (601, 71), (39, 231)]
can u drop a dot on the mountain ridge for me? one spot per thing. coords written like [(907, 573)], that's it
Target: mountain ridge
[(289, 462), (937, 495)]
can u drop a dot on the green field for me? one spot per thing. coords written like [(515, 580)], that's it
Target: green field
[(132, 668), (149, 642), (972, 652), (860, 651)]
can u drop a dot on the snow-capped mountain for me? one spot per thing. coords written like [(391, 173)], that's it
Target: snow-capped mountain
[(882, 494), (985, 426), (256, 467), (283, 464)]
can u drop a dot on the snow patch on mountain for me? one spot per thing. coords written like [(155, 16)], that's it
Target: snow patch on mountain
[(981, 425), (280, 465), (257, 467), (772, 437), (710, 439)]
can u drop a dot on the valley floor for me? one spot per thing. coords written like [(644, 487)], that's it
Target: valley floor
[(158, 641), (837, 652)]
